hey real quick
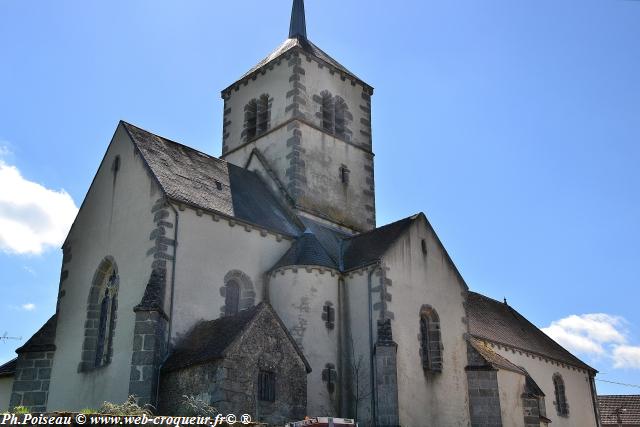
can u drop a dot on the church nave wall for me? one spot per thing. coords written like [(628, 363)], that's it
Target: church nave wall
[(212, 248), (114, 223), (420, 275)]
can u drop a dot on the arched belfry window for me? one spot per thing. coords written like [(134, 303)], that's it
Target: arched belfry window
[(238, 293), (257, 115), (562, 406), (430, 339), (102, 310), (334, 114)]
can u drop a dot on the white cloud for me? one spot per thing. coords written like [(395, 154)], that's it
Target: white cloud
[(32, 217), (600, 335), (29, 307), (626, 356)]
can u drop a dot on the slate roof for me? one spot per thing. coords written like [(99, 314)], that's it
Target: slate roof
[(365, 248), (330, 238), (626, 406), (43, 340), (306, 250), (492, 358), (209, 340), (500, 323), (9, 368), (308, 47), (206, 182)]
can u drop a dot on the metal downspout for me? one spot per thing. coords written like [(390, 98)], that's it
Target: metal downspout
[(371, 346)]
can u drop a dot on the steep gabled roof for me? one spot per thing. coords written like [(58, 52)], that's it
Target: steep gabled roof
[(209, 340), (195, 178), (626, 407), (9, 368), (498, 322), (43, 340), (306, 250), (365, 248), (305, 46)]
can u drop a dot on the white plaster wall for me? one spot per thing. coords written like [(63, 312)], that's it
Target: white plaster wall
[(357, 333), (207, 251), (578, 390), (115, 220), (6, 383), (511, 387), (324, 192), (299, 298), (273, 146), (432, 399)]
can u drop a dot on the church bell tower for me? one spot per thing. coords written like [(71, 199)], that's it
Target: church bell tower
[(303, 121)]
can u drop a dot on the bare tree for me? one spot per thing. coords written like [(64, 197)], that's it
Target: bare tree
[(359, 388)]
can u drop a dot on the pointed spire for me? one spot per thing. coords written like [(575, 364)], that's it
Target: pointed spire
[(298, 27)]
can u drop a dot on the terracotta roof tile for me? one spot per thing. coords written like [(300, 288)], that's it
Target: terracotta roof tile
[(627, 407)]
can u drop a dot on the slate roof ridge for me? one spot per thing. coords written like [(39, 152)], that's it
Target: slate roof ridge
[(382, 227), (300, 253), (568, 357), (366, 248), (187, 353), (43, 339), (178, 358), (8, 369), (127, 124), (206, 182)]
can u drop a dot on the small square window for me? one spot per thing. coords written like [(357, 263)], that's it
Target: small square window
[(344, 174)]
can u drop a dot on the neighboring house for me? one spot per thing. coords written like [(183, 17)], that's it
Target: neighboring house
[(170, 244), (620, 410), (7, 373)]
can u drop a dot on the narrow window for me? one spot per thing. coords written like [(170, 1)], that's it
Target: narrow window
[(330, 376), (267, 386), (106, 325), (340, 117), (232, 298), (329, 315), (251, 119), (344, 174), (327, 110), (430, 340), (562, 407), (263, 114), (424, 246)]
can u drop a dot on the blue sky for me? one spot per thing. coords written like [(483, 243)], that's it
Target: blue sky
[(513, 125)]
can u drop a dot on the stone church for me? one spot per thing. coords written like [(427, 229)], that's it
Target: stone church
[(260, 282)]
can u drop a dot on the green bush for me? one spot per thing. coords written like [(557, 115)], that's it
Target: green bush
[(130, 407), (195, 407)]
